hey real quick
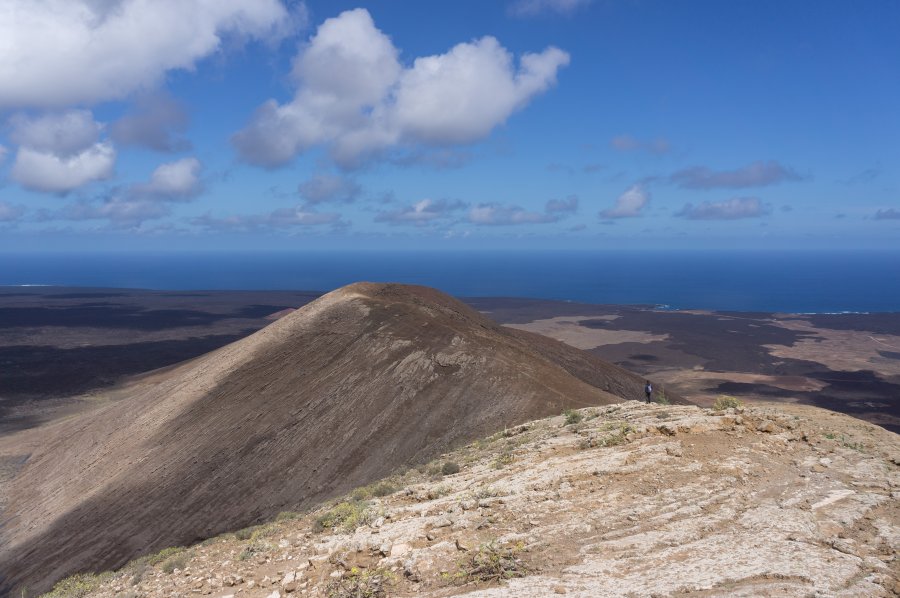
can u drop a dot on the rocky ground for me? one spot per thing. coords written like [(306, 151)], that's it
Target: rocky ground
[(622, 500)]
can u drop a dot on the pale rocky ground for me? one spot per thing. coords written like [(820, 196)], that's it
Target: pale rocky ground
[(635, 500)]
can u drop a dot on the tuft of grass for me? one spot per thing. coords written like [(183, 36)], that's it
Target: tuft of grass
[(377, 489), (77, 586), (503, 459), (492, 562), (662, 399), (360, 583), (164, 554), (438, 492), (724, 402), (347, 516), (288, 516), (176, 562), (572, 417), (449, 468), (252, 549)]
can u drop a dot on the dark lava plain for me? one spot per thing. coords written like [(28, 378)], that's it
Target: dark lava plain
[(57, 343)]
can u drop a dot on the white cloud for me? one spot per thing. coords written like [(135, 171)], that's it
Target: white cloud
[(3, 152), (531, 8), (42, 171), (10, 212), (328, 187), (731, 209), (629, 204), (179, 180), (356, 98), (61, 52), (59, 152), (422, 212), (501, 215), (64, 134), (568, 205), (119, 211), (284, 218), (755, 174)]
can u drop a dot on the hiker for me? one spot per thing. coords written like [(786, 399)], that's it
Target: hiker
[(648, 388)]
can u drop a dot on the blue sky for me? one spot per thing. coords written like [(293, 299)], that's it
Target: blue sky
[(267, 124)]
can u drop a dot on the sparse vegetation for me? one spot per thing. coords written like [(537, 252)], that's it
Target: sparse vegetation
[(346, 516), (449, 468), (360, 583), (252, 550), (176, 562), (77, 586), (164, 554), (438, 492), (503, 459), (726, 402), (493, 563), (572, 417), (662, 399), (288, 516)]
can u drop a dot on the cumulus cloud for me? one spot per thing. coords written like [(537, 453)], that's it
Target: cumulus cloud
[(327, 187), (173, 181), (531, 8), (10, 212), (629, 204), (627, 143), (62, 52), (756, 174), (121, 212), (40, 171), (889, 214), (731, 209), (156, 123), (355, 97), (59, 152), (422, 212), (283, 218), (64, 134), (568, 205)]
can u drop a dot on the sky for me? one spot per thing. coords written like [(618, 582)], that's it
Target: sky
[(175, 125)]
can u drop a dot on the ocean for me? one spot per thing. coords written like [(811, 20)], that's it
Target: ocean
[(799, 282)]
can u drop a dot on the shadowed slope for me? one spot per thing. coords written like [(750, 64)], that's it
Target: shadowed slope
[(339, 393)]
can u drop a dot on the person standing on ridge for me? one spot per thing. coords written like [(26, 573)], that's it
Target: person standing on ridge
[(648, 389)]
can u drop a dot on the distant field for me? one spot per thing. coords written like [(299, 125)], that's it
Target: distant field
[(57, 343)]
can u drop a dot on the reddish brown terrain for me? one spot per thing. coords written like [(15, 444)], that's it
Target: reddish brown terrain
[(349, 388)]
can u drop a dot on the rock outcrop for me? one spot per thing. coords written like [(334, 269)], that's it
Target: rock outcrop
[(633, 500)]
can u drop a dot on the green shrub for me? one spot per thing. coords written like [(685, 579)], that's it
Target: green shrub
[(347, 515), (726, 402), (449, 468), (493, 563), (662, 399), (77, 586), (288, 516), (164, 554), (176, 562), (572, 417), (360, 583), (503, 459)]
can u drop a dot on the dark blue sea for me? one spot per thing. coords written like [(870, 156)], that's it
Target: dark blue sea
[(740, 281)]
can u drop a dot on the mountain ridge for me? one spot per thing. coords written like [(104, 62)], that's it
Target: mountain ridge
[(342, 391)]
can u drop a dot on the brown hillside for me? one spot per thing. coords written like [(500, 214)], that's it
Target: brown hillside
[(341, 392)]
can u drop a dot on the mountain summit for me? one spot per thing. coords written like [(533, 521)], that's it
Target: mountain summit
[(363, 381)]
